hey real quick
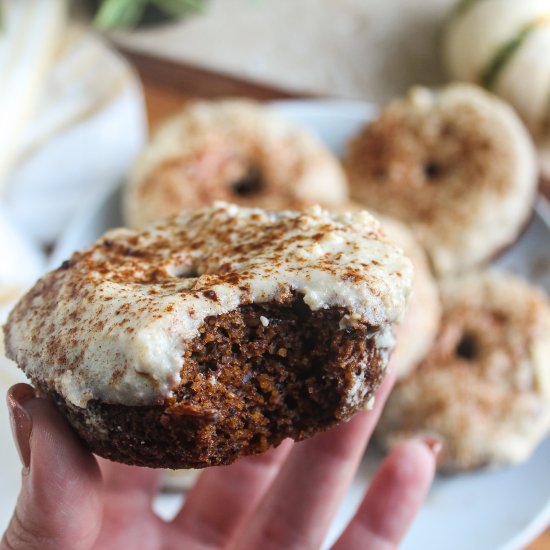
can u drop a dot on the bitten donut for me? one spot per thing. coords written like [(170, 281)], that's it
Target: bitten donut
[(484, 388), (456, 165), (214, 334), (233, 150)]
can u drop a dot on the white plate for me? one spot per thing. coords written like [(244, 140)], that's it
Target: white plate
[(487, 510)]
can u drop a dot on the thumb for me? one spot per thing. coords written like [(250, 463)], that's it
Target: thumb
[(60, 503)]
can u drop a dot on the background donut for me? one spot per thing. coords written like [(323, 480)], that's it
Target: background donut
[(233, 150), (484, 387), (416, 332), (455, 164)]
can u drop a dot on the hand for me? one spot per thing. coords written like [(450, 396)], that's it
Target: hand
[(283, 499)]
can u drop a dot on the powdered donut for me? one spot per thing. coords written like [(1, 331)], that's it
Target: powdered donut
[(484, 387), (215, 334), (233, 150), (457, 165)]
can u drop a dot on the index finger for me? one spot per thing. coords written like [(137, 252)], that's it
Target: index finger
[(123, 478)]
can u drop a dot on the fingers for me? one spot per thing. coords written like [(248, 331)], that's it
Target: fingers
[(60, 501), (224, 497), (395, 495), (122, 478), (297, 510)]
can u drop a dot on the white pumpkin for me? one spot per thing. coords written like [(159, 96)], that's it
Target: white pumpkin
[(478, 29), (28, 43), (505, 46), (525, 80)]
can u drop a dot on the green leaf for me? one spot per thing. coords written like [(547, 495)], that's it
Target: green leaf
[(464, 6), (176, 8), (119, 13), (504, 55)]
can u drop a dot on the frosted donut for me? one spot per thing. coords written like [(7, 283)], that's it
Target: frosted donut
[(456, 165), (214, 334), (233, 150), (484, 388)]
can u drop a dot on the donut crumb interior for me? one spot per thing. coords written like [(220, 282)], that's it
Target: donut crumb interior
[(253, 377)]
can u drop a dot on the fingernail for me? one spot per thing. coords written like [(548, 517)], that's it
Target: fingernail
[(20, 420), (432, 442)]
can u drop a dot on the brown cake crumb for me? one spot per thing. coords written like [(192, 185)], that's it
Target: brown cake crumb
[(245, 387)]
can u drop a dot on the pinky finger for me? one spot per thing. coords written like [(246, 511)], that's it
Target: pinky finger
[(394, 497)]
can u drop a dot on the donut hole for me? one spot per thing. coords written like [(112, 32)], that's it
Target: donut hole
[(432, 170), (468, 347), (184, 271), (250, 184)]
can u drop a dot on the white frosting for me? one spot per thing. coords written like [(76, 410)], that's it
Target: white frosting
[(113, 324)]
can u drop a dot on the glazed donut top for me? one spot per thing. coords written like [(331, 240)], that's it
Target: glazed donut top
[(111, 323), (233, 150)]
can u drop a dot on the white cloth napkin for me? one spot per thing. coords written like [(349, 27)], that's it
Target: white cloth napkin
[(71, 121), (88, 126)]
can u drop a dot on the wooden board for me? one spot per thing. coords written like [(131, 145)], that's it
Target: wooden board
[(168, 85)]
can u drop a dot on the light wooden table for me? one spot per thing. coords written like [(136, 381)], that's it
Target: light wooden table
[(168, 86)]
